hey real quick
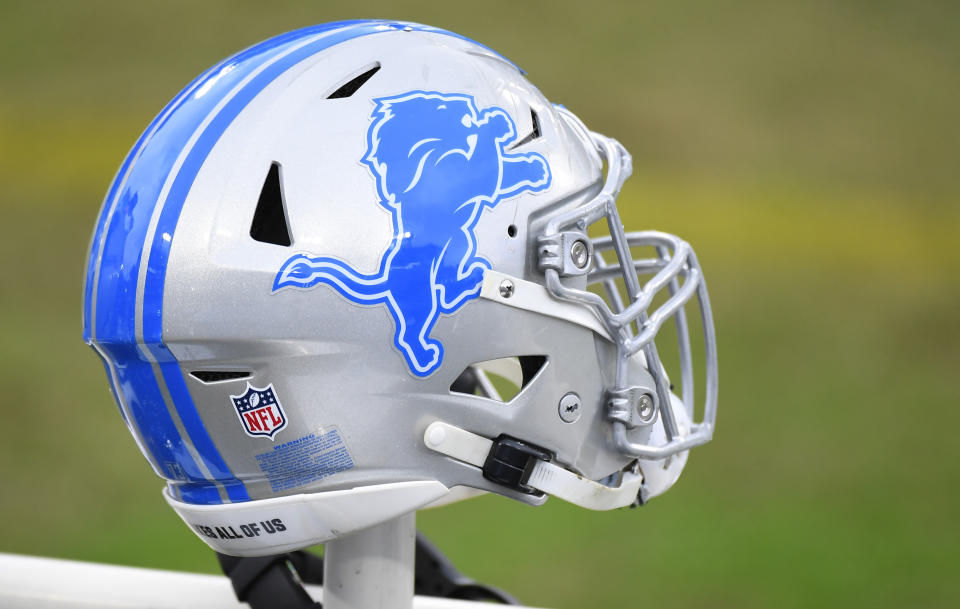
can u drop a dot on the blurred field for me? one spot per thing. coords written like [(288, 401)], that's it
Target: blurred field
[(808, 152)]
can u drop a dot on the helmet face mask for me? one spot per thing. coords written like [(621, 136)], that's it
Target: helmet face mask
[(627, 315), (313, 260)]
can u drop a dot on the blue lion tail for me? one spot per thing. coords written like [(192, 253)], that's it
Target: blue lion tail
[(301, 271)]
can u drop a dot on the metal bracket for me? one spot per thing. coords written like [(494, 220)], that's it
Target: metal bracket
[(633, 406), (569, 252)]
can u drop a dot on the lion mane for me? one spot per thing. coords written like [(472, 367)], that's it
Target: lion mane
[(425, 145)]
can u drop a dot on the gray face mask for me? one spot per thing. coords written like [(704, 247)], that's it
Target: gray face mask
[(566, 250)]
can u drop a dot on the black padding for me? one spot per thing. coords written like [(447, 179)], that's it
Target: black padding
[(266, 582)]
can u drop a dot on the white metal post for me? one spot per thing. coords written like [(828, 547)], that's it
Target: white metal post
[(372, 568)]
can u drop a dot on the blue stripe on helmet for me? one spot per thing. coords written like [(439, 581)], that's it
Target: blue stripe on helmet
[(146, 406), (193, 425), (199, 493), (133, 197), (124, 232), (103, 219), (160, 251), (152, 162)]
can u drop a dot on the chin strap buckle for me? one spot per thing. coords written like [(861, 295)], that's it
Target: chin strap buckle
[(510, 462), (527, 468)]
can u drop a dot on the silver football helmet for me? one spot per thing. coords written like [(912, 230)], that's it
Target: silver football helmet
[(356, 269)]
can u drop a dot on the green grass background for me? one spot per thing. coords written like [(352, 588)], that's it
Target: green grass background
[(808, 150)]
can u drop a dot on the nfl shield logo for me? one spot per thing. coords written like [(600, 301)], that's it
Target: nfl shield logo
[(260, 411)]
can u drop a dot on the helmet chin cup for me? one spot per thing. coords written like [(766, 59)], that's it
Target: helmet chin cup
[(626, 315)]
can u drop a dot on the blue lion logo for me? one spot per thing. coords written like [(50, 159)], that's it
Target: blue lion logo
[(438, 161)]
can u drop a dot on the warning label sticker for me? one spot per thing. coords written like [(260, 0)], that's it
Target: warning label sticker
[(304, 460)]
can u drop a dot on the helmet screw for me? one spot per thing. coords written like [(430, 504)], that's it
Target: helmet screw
[(570, 407), (579, 254), (506, 288), (645, 409)]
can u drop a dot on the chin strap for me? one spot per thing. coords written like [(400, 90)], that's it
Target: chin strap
[(527, 468), (276, 582), (435, 575), (273, 581)]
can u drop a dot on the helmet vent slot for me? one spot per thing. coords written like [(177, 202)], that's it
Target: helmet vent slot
[(500, 379), (534, 134), (351, 86), (270, 219), (215, 376)]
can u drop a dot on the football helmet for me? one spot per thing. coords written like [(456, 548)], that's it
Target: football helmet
[(366, 267)]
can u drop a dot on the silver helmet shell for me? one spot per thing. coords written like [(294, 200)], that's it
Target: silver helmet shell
[(312, 262)]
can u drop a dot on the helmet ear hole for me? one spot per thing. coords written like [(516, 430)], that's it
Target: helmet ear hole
[(501, 379)]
